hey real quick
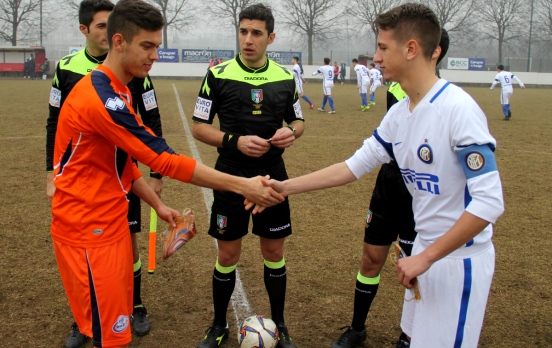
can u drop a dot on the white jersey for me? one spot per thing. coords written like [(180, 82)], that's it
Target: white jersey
[(505, 79), (444, 151), (297, 75), (327, 74), (375, 75), (362, 75)]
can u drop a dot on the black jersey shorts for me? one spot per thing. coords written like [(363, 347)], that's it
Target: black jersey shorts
[(230, 220), (390, 213), (134, 213)]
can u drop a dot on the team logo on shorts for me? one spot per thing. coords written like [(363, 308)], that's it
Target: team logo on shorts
[(221, 223), (475, 161), (368, 218), (425, 153), (257, 97), (121, 324)]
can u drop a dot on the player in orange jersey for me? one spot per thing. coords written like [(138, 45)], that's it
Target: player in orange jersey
[(98, 133)]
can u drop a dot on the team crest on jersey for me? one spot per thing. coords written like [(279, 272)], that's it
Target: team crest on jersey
[(425, 153), (221, 223), (257, 95), (114, 104), (121, 324), (475, 161), (368, 218)]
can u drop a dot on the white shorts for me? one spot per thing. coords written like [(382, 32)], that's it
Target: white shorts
[(506, 95), (364, 88), (299, 87), (454, 294), (375, 85), (327, 89)]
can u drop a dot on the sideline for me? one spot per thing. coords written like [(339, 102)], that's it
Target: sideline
[(239, 301)]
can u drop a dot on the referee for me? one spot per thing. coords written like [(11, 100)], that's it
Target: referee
[(252, 97)]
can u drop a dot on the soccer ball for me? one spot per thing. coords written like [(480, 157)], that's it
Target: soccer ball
[(258, 331)]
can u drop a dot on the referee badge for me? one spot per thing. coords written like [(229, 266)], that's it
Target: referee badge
[(221, 223), (368, 218), (257, 97)]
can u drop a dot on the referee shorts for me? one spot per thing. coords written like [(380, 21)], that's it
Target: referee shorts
[(134, 213), (390, 213), (230, 220)]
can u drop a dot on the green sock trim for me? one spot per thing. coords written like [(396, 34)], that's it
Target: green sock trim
[(275, 265), (368, 281), (224, 270), (138, 265)]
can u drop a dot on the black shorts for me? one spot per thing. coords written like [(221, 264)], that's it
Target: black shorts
[(230, 220), (134, 213), (390, 213)]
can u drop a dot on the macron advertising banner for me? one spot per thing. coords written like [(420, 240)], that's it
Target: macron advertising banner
[(204, 56), (168, 55), (283, 57), (476, 64)]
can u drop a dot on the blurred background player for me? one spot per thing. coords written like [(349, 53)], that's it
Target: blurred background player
[(363, 83), (336, 73), (327, 84), (93, 15), (298, 75), (505, 79), (342, 72), (250, 141), (375, 82), (389, 215)]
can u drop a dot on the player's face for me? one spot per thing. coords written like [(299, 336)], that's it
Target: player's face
[(96, 34), (139, 54), (254, 39), (390, 56)]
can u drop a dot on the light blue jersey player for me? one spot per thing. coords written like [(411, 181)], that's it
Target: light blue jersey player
[(298, 76), (505, 79), (327, 84), (375, 82), (363, 82)]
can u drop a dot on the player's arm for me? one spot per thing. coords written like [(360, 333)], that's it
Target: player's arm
[(57, 96), (518, 81), (495, 82), (316, 72), (141, 188)]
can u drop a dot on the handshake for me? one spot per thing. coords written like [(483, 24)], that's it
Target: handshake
[(265, 193)]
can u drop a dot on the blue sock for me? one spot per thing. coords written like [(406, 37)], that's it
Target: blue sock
[(307, 99), (372, 97), (330, 99), (364, 100), (505, 110), (324, 102)]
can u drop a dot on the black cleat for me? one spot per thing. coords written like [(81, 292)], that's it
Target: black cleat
[(214, 336), (284, 341), (350, 338), (75, 339), (403, 341), (139, 321), (509, 113)]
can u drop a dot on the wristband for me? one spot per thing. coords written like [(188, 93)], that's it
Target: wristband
[(230, 141), (155, 175), (292, 128)]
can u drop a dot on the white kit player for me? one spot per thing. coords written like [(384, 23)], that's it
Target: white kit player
[(327, 84), (505, 79), (439, 137), (298, 76), (375, 82), (363, 82)]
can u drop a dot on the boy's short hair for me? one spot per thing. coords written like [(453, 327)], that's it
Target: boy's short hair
[(409, 21), (355, 60), (327, 61), (130, 16), (500, 67), (88, 8), (260, 12)]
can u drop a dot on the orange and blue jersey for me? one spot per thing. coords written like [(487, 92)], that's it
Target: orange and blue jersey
[(98, 133)]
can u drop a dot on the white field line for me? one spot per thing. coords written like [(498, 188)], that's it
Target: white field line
[(240, 304)]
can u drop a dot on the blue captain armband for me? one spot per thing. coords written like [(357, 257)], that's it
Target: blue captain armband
[(477, 160)]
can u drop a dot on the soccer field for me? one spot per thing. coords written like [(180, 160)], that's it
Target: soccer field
[(322, 255)]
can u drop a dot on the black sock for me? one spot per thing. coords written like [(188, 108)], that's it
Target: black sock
[(275, 280), (223, 287), (364, 294), (137, 299)]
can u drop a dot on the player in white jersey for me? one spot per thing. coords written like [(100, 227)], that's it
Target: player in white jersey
[(505, 79), (375, 82), (327, 84), (363, 82), (439, 137), (298, 75)]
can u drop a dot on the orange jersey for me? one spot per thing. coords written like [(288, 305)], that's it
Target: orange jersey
[(97, 134)]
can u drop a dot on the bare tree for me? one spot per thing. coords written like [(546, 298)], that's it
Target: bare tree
[(543, 20), (177, 13), (366, 11), (500, 20), (315, 20), (230, 9), (15, 19)]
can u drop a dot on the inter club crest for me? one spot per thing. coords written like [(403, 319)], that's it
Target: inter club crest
[(257, 95)]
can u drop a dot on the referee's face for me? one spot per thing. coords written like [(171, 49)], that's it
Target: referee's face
[(254, 39)]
